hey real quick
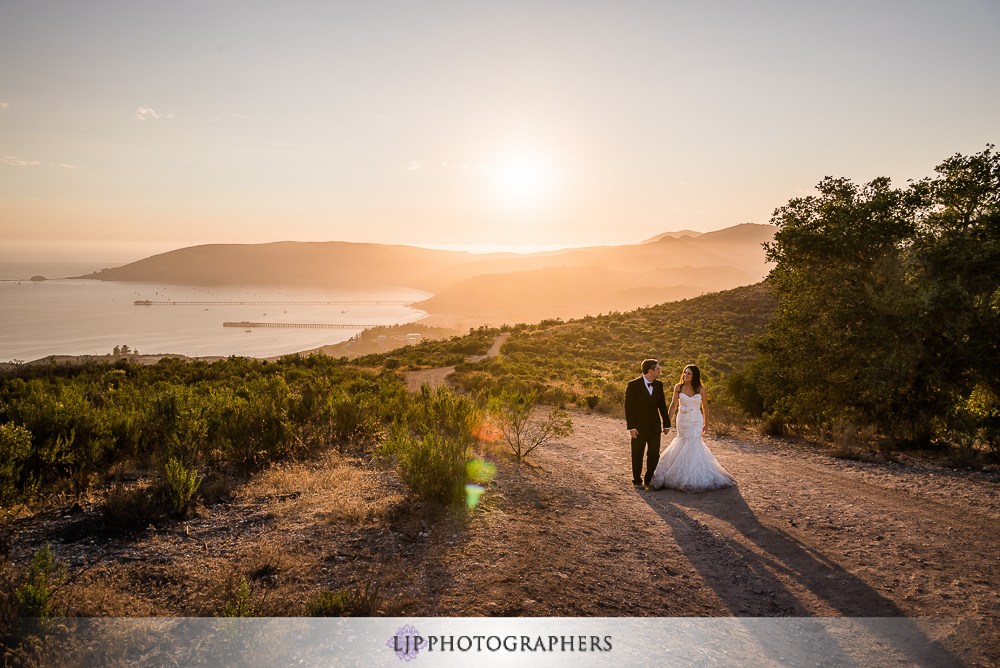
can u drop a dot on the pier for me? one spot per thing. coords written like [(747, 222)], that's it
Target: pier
[(319, 325), (359, 302)]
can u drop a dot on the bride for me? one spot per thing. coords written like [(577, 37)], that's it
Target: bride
[(687, 464)]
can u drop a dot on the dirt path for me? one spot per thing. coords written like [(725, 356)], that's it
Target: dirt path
[(437, 377), (802, 535)]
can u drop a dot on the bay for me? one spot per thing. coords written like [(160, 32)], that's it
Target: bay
[(90, 317)]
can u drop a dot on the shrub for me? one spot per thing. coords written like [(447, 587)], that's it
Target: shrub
[(432, 466), (131, 509), (772, 426), (726, 418), (444, 412), (329, 604), (963, 453), (31, 599), (353, 421), (180, 484), (241, 602), (250, 428), (514, 413), (15, 448)]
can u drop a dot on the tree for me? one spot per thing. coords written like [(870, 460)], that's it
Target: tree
[(889, 301)]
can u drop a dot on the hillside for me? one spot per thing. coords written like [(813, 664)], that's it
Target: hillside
[(587, 361), (573, 292)]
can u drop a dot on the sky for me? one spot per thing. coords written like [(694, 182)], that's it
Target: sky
[(128, 128)]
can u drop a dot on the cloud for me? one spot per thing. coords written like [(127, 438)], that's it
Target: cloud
[(142, 113), (414, 166), (15, 161), (4, 106)]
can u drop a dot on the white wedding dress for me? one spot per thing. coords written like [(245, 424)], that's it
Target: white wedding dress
[(687, 464)]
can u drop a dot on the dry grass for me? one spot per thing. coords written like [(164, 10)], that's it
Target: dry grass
[(101, 595), (333, 488)]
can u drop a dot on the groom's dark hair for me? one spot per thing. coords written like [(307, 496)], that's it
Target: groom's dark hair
[(647, 365)]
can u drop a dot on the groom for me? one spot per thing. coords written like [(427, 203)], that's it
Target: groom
[(644, 404)]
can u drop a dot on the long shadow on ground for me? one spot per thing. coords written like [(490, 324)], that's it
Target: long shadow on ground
[(761, 559)]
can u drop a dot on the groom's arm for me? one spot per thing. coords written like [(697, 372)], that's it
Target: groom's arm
[(661, 406), (631, 419)]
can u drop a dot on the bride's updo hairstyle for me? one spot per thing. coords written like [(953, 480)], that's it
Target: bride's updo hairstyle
[(695, 377)]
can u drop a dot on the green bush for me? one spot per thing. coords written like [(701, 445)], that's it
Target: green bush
[(241, 603), (432, 466), (15, 448), (329, 604), (180, 484), (31, 598)]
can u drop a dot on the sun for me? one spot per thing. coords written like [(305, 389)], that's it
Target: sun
[(523, 178)]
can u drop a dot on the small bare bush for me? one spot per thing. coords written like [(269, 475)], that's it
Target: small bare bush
[(727, 419), (132, 509), (772, 426), (850, 441), (964, 453), (365, 599), (515, 415), (217, 487)]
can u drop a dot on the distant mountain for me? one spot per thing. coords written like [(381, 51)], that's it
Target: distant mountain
[(319, 264), (504, 286), (674, 235)]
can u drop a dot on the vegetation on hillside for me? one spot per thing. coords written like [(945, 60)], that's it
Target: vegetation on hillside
[(589, 361), (444, 352), (62, 426)]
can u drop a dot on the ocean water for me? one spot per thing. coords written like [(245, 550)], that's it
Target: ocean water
[(88, 317)]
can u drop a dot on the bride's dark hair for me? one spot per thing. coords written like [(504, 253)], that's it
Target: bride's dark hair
[(695, 378)]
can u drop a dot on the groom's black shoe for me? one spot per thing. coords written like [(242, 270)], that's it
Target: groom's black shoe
[(637, 483)]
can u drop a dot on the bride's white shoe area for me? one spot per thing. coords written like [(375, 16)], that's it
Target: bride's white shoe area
[(687, 464)]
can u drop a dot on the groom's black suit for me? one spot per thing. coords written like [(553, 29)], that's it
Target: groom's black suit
[(642, 413)]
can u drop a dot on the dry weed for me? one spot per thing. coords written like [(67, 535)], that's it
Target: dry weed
[(334, 488), (101, 595), (850, 441)]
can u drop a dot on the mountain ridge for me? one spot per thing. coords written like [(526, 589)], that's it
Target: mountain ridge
[(607, 277)]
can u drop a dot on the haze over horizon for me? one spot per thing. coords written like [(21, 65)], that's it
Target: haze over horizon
[(130, 129)]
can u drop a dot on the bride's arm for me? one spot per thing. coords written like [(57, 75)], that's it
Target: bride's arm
[(672, 411), (704, 408)]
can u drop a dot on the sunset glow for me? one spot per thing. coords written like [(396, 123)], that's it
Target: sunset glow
[(191, 123)]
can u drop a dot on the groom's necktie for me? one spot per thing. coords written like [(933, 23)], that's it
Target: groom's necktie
[(649, 388)]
